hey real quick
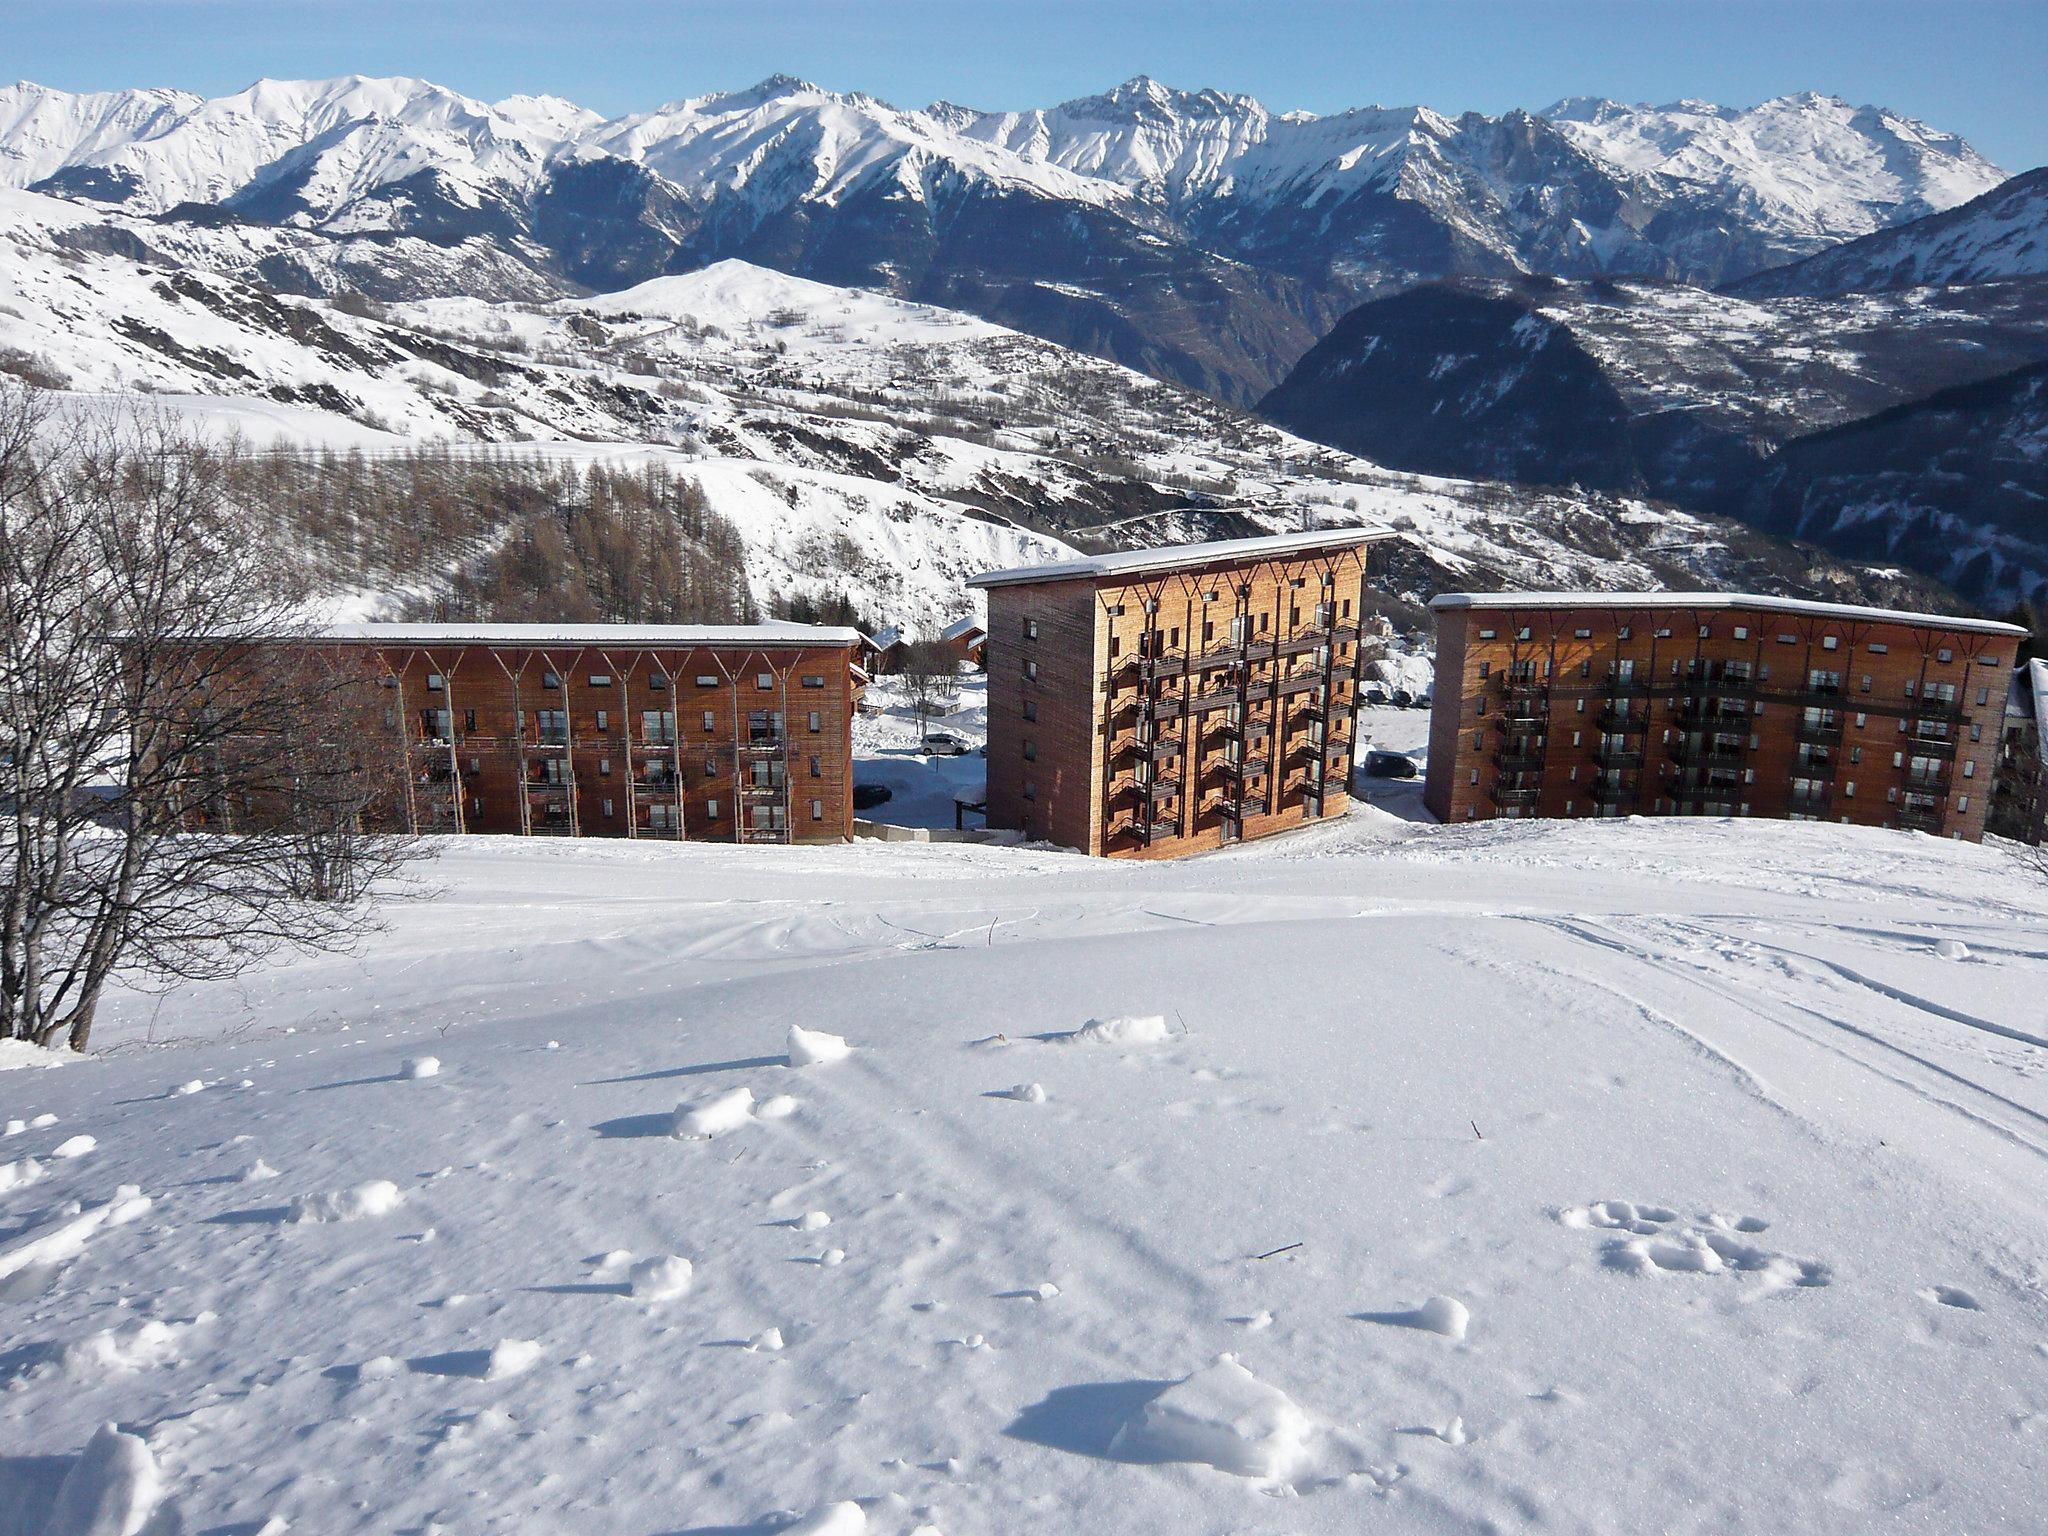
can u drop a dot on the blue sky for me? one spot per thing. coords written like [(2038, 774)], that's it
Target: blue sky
[(1970, 66)]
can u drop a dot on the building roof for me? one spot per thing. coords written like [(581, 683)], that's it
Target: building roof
[(1736, 600), (882, 639), (662, 636), (960, 628), (2028, 699), (1131, 562)]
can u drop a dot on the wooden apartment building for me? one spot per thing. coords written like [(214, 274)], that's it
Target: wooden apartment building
[(2019, 808), (1153, 703), (737, 733), (1612, 704)]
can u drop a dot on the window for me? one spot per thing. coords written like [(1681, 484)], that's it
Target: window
[(1485, 669), (1866, 682), (1944, 655), (469, 722), (1346, 610), (711, 809), (1829, 643), (1970, 768), (657, 726), (1983, 695), (817, 810), (704, 680), (816, 720), (1879, 648), (1031, 626), (765, 681), (1621, 633), (1788, 639), (435, 682), (1030, 790), (711, 770), (1849, 789), (1030, 750), (1031, 670), (1031, 709), (551, 680), (1489, 634), (1522, 633), (603, 720), (813, 681), (600, 680), (1706, 633), (657, 683), (607, 807), (1742, 631), (604, 768), (710, 722), (1582, 634)]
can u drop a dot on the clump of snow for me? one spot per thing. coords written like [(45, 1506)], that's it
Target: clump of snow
[(111, 1490), (257, 1172), (1226, 1417), (184, 1090), (844, 1519), (815, 1048), (779, 1107), (42, 1122), (379, 1368), (510, 1357), (832, 1258), (1952, 949), (19, 1174), (661, 1279), (813, 1221), (15, 1128), (1442, 1314), (56, 1241), (21, 1053), (74, 1146), (149, 1343), (378, 1197), (769, 1339), (417, 1067), (1026, 1093), (1135, 1029), (715, 1116)]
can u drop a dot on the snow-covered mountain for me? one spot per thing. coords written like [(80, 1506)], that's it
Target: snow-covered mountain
[(1996, 237), (861, 445), (1198, 236)]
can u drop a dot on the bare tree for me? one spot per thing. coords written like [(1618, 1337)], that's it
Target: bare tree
[(931, 680), (174, 804)]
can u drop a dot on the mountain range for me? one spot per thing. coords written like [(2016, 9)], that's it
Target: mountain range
[(1195, 235)]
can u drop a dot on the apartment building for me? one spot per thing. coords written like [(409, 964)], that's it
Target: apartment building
[(1611, 704), (2019, 804), (727, 734), (1153, 703)]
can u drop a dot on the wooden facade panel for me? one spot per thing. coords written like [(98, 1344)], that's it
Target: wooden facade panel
[(1660, 709)]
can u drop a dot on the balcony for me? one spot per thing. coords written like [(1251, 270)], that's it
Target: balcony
[(1162, 788), (1518, 757), (1629, 687), (1239, 768), (1155, 749), (1821, 696), (1144, 828), (1511, 795), (764, 746), (774, 789), (1604, 793), (1303, 747), (1723, 798), (1622, 722), (1928, 783), (1619, 758), (1930, 746), (1733, 685), (1818, 733), (1689, 750), (1937, 709), (1810, 802), (1915, 818)]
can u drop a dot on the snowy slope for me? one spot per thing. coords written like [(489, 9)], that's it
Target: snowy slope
[(1997, 237), (1565, 1176)]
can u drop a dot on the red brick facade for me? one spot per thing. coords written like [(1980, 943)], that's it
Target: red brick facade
[(1597, 704)]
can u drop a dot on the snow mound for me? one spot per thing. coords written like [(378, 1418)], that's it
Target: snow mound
[(661, 1279), (815, 1048), (1135, 1029), (257, 1172), (813, 1221), (843, 1519), (19, 1174), (780, 1107), (127, 1349), (1026, 1093), (715, 1116), (20, 1053), (75, 1146), (1226, 1417), (769, 1339), (417, 1067), (111, 1490), (379, 1197), (186, 1090), (511, 1357), (57, 1241), (1442, 1314), (1952, 949)]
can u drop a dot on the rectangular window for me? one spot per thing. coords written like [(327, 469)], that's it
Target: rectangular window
[(812, 680), (1970, 768), (1488, 634), (607, 807), (704, 680), (1944, 655), (816, 720), (711, 809), (603, 720), (1829, 643), (1742, 631), (1030, 750), (711, 768), (435, 682), (1031, 629), (1879, 648), (551, 680), (600, 680), (817, 810), (656, 683), (604, 768), (657, 726), (1030, 790), (710, 722), (817, 768), (764, 681), (1031, 669), (1031, 709)]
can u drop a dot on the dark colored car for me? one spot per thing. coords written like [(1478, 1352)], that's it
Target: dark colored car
[(1389, 765), (867, 796)]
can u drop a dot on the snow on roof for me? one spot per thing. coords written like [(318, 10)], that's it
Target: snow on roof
[(1744, 600), (589, 634), (884, 638), (962, 627), (1167, 557), (2029, 697)]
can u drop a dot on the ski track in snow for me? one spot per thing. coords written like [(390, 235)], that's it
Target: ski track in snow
[(1502, 1162)]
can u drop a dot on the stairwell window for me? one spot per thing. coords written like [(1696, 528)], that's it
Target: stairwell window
[(1031, 670), (711, 809), (817, 810), (1031, 629), (816, 721), (817, 767), (710, 722), (1030, 750), (1031, 709)]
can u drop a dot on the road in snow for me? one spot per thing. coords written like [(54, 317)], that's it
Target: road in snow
[(1612, 1177)]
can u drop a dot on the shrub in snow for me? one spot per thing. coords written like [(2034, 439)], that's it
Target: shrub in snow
[(1226, 1417), (111, 1490), (76, 1146), (509, 1357), (715, 1116), (379, 1197), (660, 1279), (417, 1067), (814, 1048), (847, 1519), (1137, 1029)]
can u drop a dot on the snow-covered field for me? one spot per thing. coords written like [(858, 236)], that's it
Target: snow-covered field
[(1672, 1176)]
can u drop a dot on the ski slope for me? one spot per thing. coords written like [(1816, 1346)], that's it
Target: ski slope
[(1672, 1176)]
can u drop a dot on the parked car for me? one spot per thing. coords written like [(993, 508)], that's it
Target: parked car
[(1375, 694), (1423, 700), (946, 744), (1389, 765), (1402, 699), (867, 796)]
